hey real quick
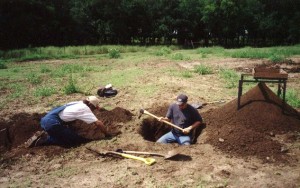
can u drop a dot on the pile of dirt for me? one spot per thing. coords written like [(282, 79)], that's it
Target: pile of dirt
[(22, 126), (110, 118), (252, 130)]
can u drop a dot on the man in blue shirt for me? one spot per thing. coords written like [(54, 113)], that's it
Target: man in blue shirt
[(183, 115)]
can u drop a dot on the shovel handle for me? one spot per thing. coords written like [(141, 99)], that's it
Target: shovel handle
[(143, 153), (171, 124), (148, 161)]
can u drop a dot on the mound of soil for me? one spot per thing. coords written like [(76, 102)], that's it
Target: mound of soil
[(22, 126), (110, 119), (251, 130)]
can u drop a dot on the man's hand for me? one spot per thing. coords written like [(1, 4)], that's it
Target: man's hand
[(187, 130), (112, 133), (163, 119)]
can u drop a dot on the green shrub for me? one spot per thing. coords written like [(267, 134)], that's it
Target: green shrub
[(163, 51), (3, 65), (45, 69), (276, 58), (186, 74), (203, 69), (114, 53), (44, 91), (177, 56), (292, 99), (71, 87), (34, 78)]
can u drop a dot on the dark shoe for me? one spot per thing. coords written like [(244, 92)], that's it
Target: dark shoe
[(41, 141), (31, 142)]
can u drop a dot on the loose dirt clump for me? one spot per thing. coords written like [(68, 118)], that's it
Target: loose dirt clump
[(252, 130)]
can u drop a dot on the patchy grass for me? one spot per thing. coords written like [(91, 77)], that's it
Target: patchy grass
[(230, 76), (94, 66), (203, 69)]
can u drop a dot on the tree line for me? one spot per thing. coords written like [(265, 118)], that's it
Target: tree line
[(228, 23)]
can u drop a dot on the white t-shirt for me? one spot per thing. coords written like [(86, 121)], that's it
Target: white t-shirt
[(78, 110)]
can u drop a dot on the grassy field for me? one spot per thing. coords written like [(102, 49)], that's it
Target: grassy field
[(35, 73), (35, 80)]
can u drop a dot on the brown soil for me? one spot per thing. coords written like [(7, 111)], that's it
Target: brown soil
[(22, 126), (244, 132), (254, 146), (250, 131)]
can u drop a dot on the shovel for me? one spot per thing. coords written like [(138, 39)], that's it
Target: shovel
[(169, 155), (148, 161), (200, 105)]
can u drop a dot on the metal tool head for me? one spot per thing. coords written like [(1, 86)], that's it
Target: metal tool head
[(172, 153), (141, 113)]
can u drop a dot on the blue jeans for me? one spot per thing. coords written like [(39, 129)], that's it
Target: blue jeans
[(60, 134), (170, 138)]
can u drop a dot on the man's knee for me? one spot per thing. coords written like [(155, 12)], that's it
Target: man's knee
[(187, 143), (161, 141)]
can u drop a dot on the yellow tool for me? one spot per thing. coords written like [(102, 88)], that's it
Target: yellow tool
[(148, 161)]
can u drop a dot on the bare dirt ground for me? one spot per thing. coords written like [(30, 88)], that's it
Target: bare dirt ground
[(255, 146)]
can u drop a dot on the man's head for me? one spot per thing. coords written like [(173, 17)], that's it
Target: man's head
[(93, 102), (181, 101)]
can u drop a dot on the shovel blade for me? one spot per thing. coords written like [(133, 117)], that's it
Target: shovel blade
[(172, 153)]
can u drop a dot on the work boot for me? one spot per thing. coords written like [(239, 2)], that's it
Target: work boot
[(36, 139), (42, 140)]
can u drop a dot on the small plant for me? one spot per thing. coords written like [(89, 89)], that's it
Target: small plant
[(18, 90), (292, 99), (230, 76), (44, 91), (186, 74), (163, 51), (177, 56), (203, 69), (3, 65), (71, 87), (276, 58), (203, 55), (114, 53), (15, 70), (45, 69), (34, 78)]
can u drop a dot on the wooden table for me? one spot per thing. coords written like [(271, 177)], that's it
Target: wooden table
[(265, 75)]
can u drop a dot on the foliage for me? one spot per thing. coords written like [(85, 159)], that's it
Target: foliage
[(45, 69), (203, 69), (114, 53), (44, 91), (228, 23), (71, 87), (163, 51), (3, 65), (187, 74), (292, 98), (34, 78), (231, 77), (275, 54)]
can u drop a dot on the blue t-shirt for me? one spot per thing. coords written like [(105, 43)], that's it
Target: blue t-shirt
[(182, 118)]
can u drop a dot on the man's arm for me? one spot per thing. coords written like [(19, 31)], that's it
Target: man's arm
[(102, 127)]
